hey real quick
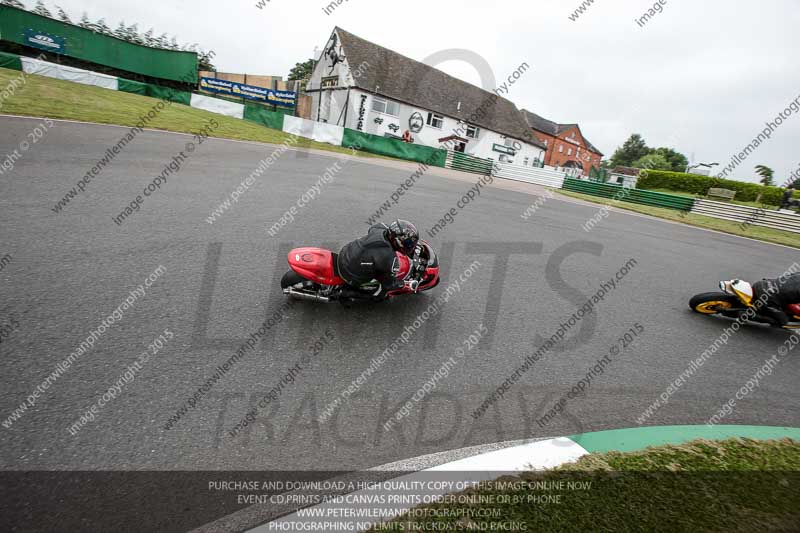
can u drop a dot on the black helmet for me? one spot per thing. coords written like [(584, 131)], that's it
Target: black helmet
[(403, 235)]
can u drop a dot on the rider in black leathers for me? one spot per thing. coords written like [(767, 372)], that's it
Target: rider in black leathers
[(780, 294), (373, 256), (788, 200)]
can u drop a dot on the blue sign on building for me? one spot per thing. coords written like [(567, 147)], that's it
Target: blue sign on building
[(45, 41), (250, 92)]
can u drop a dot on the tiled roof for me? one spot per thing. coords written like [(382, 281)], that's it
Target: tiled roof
[(404, 79)]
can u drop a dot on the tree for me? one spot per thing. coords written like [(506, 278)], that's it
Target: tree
[(162, 41), (102, 27), (173, 44), (13, 3), (204, 61), (678, 162), (302, 71), (85, 22), (766, 174), (41, 9), (653, 161), (133, 34), (121, 32), (632, 150), (149, 39), (62, 15)]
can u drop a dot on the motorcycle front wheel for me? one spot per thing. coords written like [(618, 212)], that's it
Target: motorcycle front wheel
[(711, 303)]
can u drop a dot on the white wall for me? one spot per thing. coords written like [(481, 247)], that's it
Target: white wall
[(429, 136), (327, 105), (217, 105)]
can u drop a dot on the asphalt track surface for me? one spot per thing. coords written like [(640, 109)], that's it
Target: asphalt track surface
[(70, 270)]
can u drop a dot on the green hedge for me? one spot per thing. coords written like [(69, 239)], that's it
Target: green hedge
[(692, 183), (434, 157)]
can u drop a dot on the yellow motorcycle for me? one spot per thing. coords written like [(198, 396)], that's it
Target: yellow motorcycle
[(737, 301)]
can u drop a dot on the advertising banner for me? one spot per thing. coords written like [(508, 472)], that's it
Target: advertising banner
[(250, 92), (45, 41)]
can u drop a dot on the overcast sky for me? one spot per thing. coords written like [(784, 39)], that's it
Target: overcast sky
[(702, 77)]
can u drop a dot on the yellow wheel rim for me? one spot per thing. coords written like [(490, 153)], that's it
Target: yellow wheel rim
[(710, 308)]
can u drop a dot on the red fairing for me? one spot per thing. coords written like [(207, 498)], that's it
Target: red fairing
[(432, 275), (793, 309), (405, 265), (431, 279), (314, 264)]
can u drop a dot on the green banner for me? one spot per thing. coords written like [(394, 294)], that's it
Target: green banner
[(28, 29), (155, 91), (165, 93), (262, 115), (434, 157), (130, 86)]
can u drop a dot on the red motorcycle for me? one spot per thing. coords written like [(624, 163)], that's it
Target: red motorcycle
[(314, 275)]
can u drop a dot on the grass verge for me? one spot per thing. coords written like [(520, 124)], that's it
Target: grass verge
[(734, 485), (52, 98), (786, 238)]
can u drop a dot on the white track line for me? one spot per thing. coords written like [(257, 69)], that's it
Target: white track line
[(357, 511)]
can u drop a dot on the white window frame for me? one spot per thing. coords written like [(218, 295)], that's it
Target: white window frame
[(569, 151), (432, 118), (560, 148), (386, 104), (325, 82), (476, 131)]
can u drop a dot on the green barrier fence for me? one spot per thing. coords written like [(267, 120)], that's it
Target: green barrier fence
[(434, 157), (11, 61), (22, 27), (469, 163), (262, 115), (596, 174), (636, 196)]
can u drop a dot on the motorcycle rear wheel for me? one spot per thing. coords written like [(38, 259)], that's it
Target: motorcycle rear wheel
[(292, 278), (711, 303)]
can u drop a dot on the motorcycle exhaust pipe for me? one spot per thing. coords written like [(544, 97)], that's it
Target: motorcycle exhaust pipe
[(305, 296)]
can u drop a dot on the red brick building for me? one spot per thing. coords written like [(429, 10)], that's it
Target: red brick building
[(566, 146)]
